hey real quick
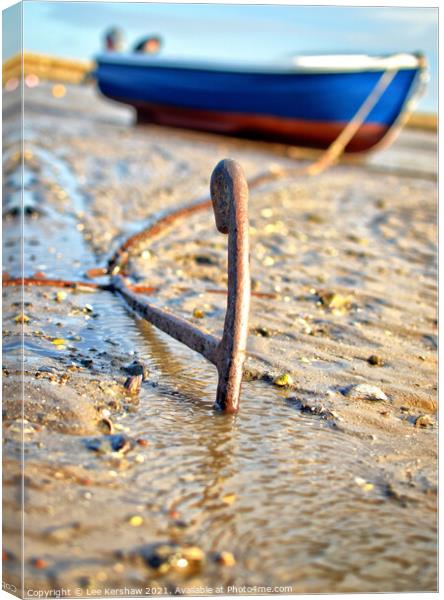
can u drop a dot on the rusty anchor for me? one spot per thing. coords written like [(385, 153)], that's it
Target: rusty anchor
[(229, 196)]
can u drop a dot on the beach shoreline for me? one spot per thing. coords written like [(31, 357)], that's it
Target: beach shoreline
[(346, 265)]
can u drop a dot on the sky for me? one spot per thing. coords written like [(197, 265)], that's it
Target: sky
[(233, 32)]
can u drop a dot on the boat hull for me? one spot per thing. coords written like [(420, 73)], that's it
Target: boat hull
[(293, 107), (261, 127)]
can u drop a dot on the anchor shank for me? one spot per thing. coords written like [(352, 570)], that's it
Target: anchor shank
[(178, 328), (229, 192)]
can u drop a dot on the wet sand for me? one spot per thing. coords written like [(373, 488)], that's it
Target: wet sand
[(313, 485)]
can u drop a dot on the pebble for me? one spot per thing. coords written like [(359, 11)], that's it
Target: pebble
[(167, 556), (314, 218), (333, 300), (142, 442), (423, 421), (109, 444), (315, 409), (137, 368), (193, 553), (198, 313), (22, 318), (262, 331), (225, 559), (375, 360), (39, 563), (363, 484), (203, 259), (229, 498), (133, 384), (135, 520), (365, 391), (283, 380), (58, 341)]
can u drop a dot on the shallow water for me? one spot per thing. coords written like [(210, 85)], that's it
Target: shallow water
[(299, 500), (295, 514)]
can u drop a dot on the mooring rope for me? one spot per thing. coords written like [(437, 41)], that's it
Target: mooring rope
[(329, 157), (229, 193)]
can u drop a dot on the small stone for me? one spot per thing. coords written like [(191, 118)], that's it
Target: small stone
[(375, 360), (202, 259), (21, 318), (198, 313), (193, 554), (283, 380), (423, 421), (133, 384), (363, 484), (164, 557), (315, 218), (135, 520), (44, 369), (262, 331), (225, 559), (39, 563), (137, 368), (157, 556), (60, 296), (229, 498), (142, 442), (85, 481), (364, 391), (109, 444), (333, 300)]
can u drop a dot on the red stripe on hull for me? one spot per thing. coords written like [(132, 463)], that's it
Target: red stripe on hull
[(318, 134)]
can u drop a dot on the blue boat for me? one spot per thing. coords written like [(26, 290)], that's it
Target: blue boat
[(305, 100)]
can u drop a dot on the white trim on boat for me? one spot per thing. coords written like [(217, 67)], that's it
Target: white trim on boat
[(356, 62), (331, 63)]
